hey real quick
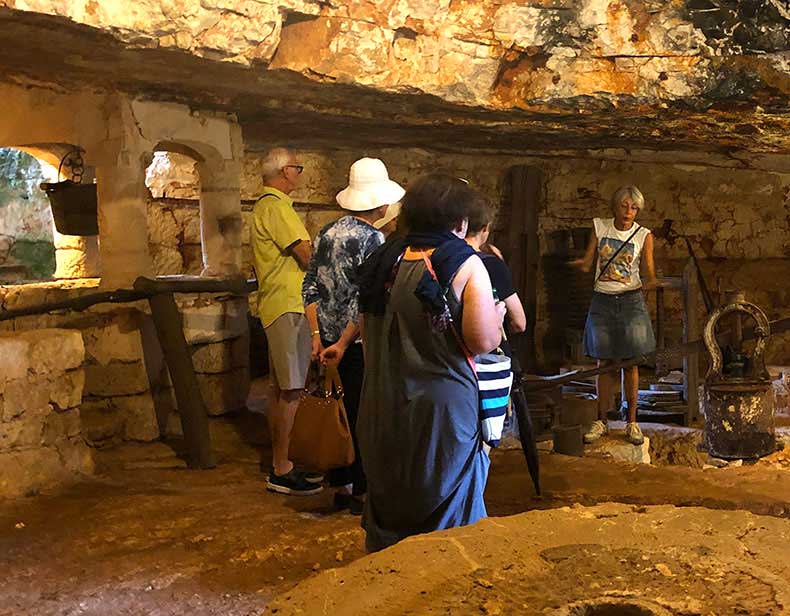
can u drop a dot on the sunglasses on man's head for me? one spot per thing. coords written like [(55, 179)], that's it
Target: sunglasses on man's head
[(299, 168)]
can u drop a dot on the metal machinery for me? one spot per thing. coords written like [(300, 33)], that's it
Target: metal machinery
[(738, 402)]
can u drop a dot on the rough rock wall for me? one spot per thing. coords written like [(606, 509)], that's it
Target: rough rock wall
[(41, 383), (490, 52), (27, 251), (699, 74), (738, 219)]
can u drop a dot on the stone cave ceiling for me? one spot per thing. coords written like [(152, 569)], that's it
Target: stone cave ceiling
[(700, 75)]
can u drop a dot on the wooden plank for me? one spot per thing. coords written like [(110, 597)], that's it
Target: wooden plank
[(526, 196), (143, 289), (671, 282), (691, 331), (191, 407), (660, 317), (533, 383)]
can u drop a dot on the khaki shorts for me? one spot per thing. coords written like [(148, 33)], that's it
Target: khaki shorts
[(289, 351)]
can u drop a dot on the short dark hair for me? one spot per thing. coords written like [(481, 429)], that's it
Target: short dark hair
[(435, 202), (480, 213)]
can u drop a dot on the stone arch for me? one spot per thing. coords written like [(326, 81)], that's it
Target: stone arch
[(75, 256), (220, 204)]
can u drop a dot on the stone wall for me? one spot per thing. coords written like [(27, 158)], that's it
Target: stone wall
[(738, 219), (41, 386), (127, 392), (27, 251)]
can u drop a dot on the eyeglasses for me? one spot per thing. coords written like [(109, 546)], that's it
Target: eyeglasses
[(299, 168)]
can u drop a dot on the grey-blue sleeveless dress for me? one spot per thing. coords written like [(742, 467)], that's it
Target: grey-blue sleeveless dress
[(418, 427)]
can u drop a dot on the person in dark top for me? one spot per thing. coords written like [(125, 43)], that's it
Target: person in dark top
[(480, 219)]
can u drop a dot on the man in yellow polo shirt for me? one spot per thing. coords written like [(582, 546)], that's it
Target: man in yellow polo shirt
[(281, 251)]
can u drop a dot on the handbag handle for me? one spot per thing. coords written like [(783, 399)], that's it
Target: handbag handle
[(617, 252), (332, 382)]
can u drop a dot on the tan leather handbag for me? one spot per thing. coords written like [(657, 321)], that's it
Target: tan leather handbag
[(321, 437)]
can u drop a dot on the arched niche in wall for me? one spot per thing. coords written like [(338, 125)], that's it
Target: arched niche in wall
[(31, 249), (194, 215)]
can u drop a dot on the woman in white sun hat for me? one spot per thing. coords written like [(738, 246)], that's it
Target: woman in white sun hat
[(331, 293)]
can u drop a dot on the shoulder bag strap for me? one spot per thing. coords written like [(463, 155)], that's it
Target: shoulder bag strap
[(469, 359), (617, 252)]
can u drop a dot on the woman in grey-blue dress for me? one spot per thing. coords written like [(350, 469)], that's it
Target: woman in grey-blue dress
[(419, 428)]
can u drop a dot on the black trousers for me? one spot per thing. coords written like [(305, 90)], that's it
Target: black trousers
[(352, 371)]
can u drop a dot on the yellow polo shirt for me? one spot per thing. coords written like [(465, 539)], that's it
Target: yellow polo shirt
[(275, 227)]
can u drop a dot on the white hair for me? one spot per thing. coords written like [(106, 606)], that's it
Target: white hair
[(628, 192), (274, 161)]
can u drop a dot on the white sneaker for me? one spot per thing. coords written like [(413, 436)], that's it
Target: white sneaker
[(633, 434), (597, 430)]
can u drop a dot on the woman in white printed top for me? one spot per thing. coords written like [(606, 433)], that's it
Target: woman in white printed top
[(618, 323)]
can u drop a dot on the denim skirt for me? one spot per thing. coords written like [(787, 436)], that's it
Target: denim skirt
[(618, 326)]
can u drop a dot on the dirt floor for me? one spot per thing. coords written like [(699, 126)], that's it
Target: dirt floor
[(605, 560), (147, 536)]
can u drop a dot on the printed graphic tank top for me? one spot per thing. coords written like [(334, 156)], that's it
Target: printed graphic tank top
[(623, 273)]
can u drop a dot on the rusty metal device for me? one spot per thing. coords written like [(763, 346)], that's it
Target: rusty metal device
[(738, 402)]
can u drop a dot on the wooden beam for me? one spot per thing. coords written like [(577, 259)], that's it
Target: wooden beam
[(660, 317), (691, 331), (536, 383), (78, 304), (191, 407), (526, 197), (143, 289)]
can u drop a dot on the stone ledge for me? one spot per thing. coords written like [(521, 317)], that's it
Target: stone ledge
[(102, 423), (39, 395), (39, 352), (222, 356), (27, 471), (225, 392), (616, 447), (107, 420), (116, 379), (208, 320), (116, 340)]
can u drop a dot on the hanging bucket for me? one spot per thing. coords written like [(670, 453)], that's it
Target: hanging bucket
[(74, 207)]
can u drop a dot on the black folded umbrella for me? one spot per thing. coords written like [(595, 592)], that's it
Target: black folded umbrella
[(526, 432)]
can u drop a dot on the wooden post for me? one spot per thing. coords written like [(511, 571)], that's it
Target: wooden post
[(191, 407), (660, 336), (691, 331), (660, 318), (526, 198)]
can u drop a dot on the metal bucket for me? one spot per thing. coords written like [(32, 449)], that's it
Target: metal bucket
[(74, 207), (739, 414)]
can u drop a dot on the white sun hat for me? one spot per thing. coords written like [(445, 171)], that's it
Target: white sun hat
[(369, 187), (393, 211)]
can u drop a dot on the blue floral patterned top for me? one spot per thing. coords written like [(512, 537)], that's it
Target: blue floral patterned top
[(331, 277)]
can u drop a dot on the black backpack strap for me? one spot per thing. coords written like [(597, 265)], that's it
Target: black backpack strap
[(268, 195), (617, 252)]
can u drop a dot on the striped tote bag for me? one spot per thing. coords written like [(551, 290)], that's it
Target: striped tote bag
[(494, 380)]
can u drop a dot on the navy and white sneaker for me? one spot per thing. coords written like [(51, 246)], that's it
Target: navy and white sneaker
[(309, 476), (293, 483)]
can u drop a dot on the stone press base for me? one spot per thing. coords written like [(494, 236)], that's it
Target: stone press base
[(609, 559)]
